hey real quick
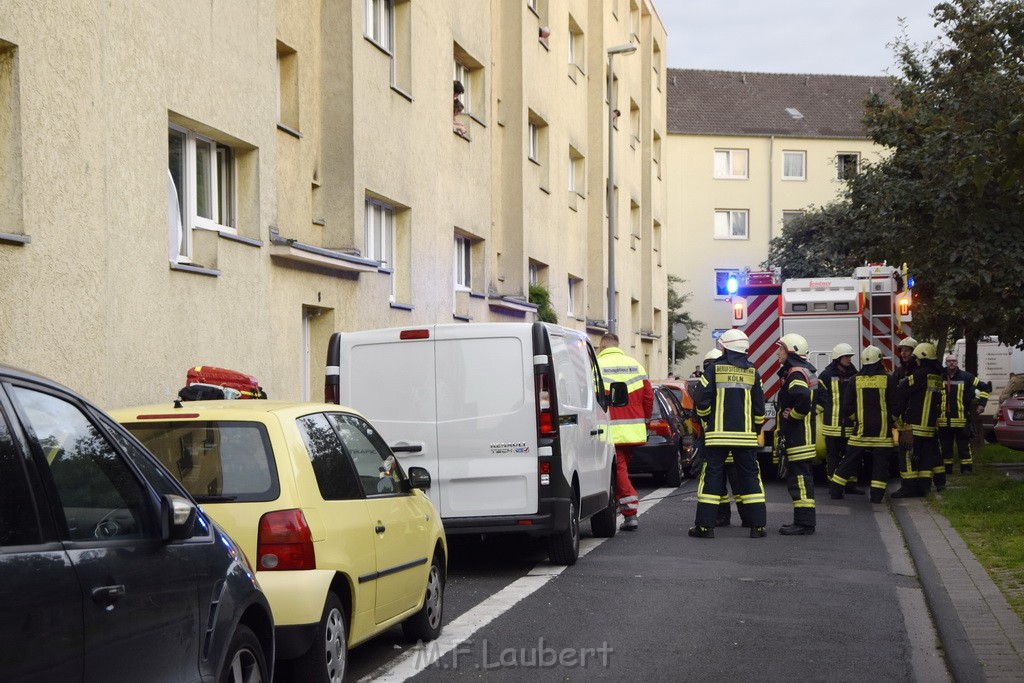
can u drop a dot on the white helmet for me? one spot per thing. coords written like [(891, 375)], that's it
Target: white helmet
[(713, 354), (794, 343), (908, 342), (840, 350), (734, 340), (871, 354)]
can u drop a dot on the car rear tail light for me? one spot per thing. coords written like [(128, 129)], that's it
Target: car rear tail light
[(544, 469), (285, 542), (545, 416), (660, 427), (331, 394)]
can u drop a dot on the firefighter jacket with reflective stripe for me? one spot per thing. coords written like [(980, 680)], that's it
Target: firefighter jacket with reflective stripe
[(961, 388), (868, 402), (921, 399), (905, 370), (799, 387), (831, 382), (629, 423), (730, 400)]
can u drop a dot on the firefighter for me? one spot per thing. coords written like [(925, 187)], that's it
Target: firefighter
[(724, 508), (797, 429), (963, 390), (730, 400), (629, 423), (907, 361), (920, 401), (868, 401), (831, 382)]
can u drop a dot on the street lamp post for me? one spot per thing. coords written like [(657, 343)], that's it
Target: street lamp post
[(626, 49)]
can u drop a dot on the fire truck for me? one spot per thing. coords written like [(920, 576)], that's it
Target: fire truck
[(870, 308)]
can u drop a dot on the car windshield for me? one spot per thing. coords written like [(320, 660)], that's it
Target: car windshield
[(216, 461)]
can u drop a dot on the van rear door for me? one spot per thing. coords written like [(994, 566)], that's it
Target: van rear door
[(486, 420), (388, 375)]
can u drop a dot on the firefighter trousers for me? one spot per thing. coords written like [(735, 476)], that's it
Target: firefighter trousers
[(724, 509), (711, 486), (850, 465), (835, 451), (960, 436), (800, 482), (920, 464), (629, 504)]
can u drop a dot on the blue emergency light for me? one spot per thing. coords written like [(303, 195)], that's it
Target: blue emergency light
[(910, 282), (732, 285)]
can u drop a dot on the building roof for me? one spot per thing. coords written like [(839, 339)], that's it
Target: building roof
[(788, 105)]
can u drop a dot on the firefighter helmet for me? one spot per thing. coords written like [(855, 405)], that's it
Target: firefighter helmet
[(908, 342), (713, 354), (794, 343), (840, 350), (926, 351), (734, 340), (871, 354)]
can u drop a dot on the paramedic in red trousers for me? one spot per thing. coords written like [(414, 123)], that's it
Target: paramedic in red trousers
[(730, 400), (629, 423), (963, 390), (797, 428), (834, 426)]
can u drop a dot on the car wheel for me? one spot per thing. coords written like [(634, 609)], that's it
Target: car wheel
[(674, 475), (426, 624), (696, 462), (564, 547), (605, 523), (327, 658), (245, 662)]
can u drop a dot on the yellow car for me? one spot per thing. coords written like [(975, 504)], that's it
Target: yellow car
[(345, 544)]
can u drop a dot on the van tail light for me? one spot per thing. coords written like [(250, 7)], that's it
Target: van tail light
[(544, 470), (545, 415), (331, 394), (284, 542), (660, 427)]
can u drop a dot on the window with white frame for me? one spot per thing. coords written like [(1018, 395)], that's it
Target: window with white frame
[(573, 287), (534, 135), (380, 21), (656, 151), (380, 233), (533, 272), (577, 52), (463, 263), (634, 21), (789, 216), (730, 163), (576, 179), (847, 166), (201, 189), (731, 224), (793, 165)]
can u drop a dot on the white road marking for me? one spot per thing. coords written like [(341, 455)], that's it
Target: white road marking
[(418, 657)]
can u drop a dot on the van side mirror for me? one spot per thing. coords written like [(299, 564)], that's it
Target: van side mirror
[(419, 478), (177, 518), (618, 392)]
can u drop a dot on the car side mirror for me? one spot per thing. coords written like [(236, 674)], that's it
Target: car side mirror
[(619, 394), (419, 478), (177, 517)]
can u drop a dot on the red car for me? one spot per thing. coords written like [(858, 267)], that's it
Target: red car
[(1010, 423)]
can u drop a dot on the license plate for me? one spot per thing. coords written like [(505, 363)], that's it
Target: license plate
[(769, 411)]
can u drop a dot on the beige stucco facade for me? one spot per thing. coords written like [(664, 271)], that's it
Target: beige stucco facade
[(302, 118), (696, 194)]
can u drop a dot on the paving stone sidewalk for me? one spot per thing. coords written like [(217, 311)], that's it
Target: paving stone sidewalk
[(982, 637)]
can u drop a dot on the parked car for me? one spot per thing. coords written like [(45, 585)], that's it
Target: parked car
[(109, 570), (1009, 427), (346, 545), (511, 420), (693, 431), (663, 456)]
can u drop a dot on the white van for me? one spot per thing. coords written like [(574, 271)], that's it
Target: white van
[(510, 419)]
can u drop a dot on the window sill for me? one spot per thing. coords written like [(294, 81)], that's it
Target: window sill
[(293, 251), (198, 270), (12, 238), (477, 119), (289, 130), (533, 160), (477, 295), (509, 304), (731, 177), (238, 238), (793, 180), (465, 136), (403, 93), (545, 190), (377, 45), (463, 318), (401, 307)]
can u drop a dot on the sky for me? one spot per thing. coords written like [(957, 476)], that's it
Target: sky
[(791, 36)]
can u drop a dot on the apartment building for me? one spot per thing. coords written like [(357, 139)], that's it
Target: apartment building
[(228, 183), (747, 152)]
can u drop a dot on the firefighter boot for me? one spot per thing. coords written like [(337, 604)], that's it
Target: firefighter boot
[(940, 482), (758, 532), (966, 469), (908, 489), (949, 467), (724, 517), (835, 491), (924, 486), (877, 495), (851, 487), (796, 530), (701, 532)]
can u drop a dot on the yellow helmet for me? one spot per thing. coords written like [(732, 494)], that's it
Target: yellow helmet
[(840, 350), (871, 354), (926, 351), (713, 354), (794, 343), (734, 340), (908, 342)]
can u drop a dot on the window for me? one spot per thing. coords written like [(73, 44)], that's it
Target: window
[(731, 225), (378, 470), (380, 21), (730, 163), (793, 165), (11, 203), (574, 285), (537, 135), (577, 51), (380, 232), (331, 467), (287, 87), (634, 21), (634, 224), (534, 142), (576, 172), (722, 276), (470, 73), (656, 64), (847, 166), (656, 152), (656, 241), (538, 272), (201, 189), (789, 216), (463, 263), (634, 123)]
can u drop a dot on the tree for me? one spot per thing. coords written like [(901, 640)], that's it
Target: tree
[(676, 314)]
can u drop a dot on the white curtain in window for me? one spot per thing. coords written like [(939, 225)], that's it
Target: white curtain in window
[(174, 232), (793, 165)]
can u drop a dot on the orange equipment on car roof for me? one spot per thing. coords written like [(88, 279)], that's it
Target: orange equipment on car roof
[(247, 385)]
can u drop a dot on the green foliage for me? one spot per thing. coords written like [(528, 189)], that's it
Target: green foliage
[(540, 296), (948, 197), (676, 314)]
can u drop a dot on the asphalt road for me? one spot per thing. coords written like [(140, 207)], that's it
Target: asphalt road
[(841, 605)]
